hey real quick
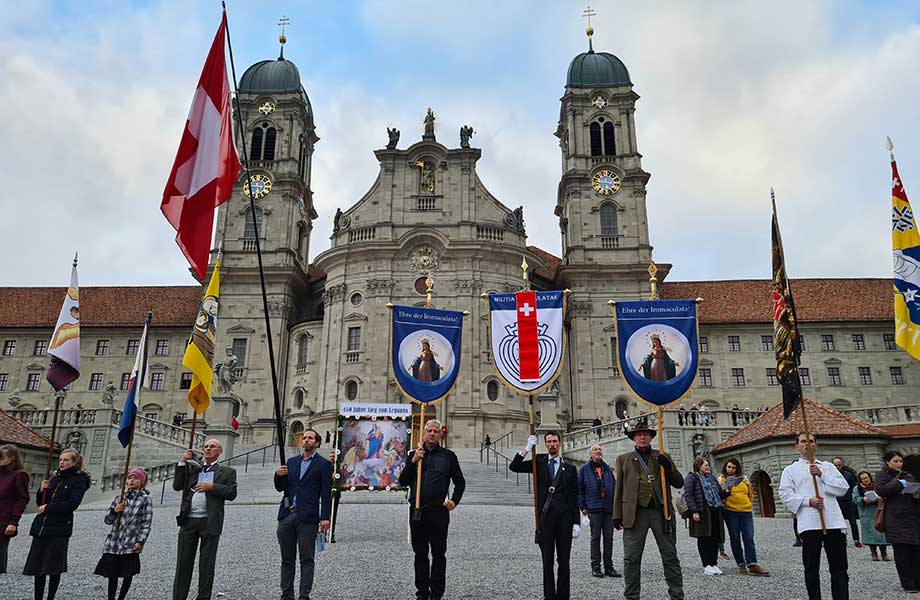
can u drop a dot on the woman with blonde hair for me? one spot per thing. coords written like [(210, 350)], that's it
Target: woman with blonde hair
[(53, 525), (14, 496)]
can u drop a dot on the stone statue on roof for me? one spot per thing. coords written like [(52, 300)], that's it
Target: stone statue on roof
[(466, 132), (429, 125), (394, 138)]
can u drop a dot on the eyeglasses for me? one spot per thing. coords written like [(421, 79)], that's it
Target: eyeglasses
[(212, 447)]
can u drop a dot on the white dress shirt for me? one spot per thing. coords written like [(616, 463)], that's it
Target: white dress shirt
[(796, 489)]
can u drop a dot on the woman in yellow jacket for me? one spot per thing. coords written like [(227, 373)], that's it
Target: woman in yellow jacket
[(739, 518)]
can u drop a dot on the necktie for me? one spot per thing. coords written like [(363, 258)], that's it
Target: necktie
[(552, 468)]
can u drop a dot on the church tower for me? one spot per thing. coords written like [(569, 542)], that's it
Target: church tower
[(602, 218), (280, 136)]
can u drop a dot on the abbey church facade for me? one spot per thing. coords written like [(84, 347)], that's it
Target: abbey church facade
[(427, 212)]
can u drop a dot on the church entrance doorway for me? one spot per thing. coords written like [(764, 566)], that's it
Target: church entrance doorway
[(763, 490)]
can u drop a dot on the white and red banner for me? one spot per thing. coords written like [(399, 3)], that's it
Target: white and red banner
[(528, 339), (64, 348), (206, 165)]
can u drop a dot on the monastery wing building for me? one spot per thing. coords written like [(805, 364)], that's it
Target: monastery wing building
[(427, 211)]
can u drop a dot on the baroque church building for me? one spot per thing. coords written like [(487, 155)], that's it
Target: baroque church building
[(427, 212)]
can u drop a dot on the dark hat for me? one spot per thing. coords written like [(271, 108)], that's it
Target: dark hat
[(641, 425)]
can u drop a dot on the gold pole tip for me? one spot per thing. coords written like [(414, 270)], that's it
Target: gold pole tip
[(589, 31)]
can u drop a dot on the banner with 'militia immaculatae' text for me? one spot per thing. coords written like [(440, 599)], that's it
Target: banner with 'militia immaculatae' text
[(657, 348), (426, 351)]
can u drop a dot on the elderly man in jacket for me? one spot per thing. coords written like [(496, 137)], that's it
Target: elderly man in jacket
[(205, 487), (596, 484), (638, 506)]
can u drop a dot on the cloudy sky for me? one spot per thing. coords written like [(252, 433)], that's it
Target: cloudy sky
[(735, 97)]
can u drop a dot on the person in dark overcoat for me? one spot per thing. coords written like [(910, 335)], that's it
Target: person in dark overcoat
[(52, 527), (14, 497), (902, 518)]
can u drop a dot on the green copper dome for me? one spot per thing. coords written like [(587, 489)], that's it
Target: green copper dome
[(271, 76), (597, 69)]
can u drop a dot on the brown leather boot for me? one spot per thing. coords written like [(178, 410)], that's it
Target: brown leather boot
[(757, 570), (742, 570)]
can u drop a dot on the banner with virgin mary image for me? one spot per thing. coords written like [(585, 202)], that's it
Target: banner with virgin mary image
[(657, 348), (426, 351)]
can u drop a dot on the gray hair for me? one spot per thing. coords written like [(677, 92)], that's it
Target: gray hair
[(436, 422)]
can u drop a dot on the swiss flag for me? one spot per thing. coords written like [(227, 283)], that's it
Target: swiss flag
[(206, 165), (528, 340)]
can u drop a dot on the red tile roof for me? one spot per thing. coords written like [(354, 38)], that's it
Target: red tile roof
[(908, 430), (13, 431), (748, 300), (552, 263), (822, 421), (101, 306)]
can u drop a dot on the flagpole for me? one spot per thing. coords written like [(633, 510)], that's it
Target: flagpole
[(140, 384), (533, 430), (798, 360), (252, 208), (653, 295), (59, 396)]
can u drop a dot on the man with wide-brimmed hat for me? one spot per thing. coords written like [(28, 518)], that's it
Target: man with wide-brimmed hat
[(638, 507)]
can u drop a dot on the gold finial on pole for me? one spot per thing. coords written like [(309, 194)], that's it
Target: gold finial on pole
[(588, 14), (524, 267), (283, 22), (429, 284), (653, 281)]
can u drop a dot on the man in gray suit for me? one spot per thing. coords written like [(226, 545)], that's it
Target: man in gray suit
[(205, 487)]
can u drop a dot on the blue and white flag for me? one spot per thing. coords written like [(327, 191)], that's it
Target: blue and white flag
[(132, 401), (657, 348), (528, 342), (426, 351)]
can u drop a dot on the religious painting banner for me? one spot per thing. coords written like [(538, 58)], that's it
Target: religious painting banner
[(657, 348), (426, 351), (527, 338), (371, 453)]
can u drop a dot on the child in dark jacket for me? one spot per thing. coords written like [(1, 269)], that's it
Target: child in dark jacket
[(52, 527), (126, 538)]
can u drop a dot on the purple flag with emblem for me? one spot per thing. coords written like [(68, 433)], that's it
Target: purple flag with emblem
[(64, 348)]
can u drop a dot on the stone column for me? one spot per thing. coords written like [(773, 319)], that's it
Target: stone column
[(548, 402)]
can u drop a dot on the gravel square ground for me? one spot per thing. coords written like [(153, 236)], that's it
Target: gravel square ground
[(490, 555)]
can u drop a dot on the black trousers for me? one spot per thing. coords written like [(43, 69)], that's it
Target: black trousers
[(192, 534), (4, 551), (835, 547), (907, 561), (430, 533), (556, 542)]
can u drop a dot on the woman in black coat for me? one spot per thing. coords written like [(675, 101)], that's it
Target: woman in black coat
[(704, 502), (902, 518), (53, 525)]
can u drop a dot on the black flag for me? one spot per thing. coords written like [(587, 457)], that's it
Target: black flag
[(786, 339)]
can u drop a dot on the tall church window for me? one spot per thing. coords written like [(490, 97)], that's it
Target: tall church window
[(253, 224), (268, 151), (302, 350), (609, 221), (255, 151), (609, 147), (301, 237), (596, 147), (301, 162)]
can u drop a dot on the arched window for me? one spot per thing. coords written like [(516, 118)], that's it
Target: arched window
[(596, 148), (302, 349), (609, 147), (255, 152), (620, 408), (609, 221), (492, 390), (268, 151), (253, 224), (351, 390), (301, 236), (298, 399)]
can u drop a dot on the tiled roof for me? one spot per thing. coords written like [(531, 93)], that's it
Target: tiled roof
[(822, 421), (13, 431), (908, 430), (748, 300), (552, 263), (101, 306)]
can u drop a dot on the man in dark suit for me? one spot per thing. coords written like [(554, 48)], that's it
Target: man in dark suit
[(440, 468), (306, 481), (557, 499), (205, 487)]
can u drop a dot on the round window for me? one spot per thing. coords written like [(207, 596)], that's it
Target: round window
[(492, 390), (357, 299), (351, 390), (420, 286)]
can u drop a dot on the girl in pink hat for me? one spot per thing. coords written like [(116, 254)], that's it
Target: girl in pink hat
[(126, 539)]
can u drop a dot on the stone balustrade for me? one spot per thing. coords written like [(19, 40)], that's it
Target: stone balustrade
[(887, 415)]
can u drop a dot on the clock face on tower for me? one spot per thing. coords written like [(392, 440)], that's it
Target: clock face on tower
[(599, 102), (261, 186), (605, 182)]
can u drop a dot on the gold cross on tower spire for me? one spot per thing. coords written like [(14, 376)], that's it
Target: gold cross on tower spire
[(283, 22), (588, 14)]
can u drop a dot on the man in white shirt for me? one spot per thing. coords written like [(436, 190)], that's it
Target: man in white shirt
[(797, 492)]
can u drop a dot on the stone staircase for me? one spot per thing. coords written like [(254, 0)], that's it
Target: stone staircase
[(489, 486)]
